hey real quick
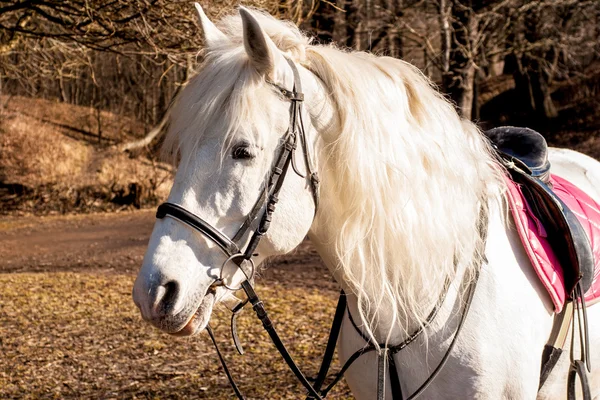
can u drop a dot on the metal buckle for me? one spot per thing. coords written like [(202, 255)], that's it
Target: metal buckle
[(248, 277)]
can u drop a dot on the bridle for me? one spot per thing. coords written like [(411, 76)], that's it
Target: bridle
[(267, 201), (255, 228)]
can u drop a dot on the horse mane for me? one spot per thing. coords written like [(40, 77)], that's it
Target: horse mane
[(405, 177), (411, 179)]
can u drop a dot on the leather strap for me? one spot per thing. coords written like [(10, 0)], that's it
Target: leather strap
[(395, 379), (389, 354), (434, 374), (334, 333), (262, 315), (234, 386), (382, 359), (181, 214), (386, 353), (338, 376)]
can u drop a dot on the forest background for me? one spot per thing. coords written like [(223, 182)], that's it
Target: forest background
[(85, 86)]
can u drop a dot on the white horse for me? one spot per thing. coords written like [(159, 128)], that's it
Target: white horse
[(403, 182)]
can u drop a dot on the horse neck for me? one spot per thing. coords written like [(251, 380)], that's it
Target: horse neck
[(421, 270), (387, 328), (323, 235)]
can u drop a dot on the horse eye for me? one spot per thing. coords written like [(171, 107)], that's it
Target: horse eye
[(242, 152)]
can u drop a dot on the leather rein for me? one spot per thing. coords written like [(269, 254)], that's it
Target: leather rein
[(255, 228)]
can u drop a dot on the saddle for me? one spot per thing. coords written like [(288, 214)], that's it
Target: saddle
[(524, 153)]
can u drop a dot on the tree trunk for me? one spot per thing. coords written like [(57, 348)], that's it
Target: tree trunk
[(458, 81), (544, 105), (340, 33), (395, 40), (446, 33)]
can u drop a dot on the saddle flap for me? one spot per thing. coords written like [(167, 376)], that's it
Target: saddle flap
[(564, 231)]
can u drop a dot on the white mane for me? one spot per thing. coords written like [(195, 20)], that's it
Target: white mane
[(410, 176)]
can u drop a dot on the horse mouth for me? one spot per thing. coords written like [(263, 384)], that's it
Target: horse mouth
[(200, 318)]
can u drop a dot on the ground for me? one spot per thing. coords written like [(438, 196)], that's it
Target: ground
[(69, 329)]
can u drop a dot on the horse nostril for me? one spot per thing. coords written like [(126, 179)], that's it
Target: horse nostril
[(166, 297)]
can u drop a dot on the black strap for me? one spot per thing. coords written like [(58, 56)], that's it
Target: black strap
[(197, 223), (410, 338), (235, 312), (338, 376), (386, 354), (234, 386), (334, 333), (467, 306), (296, 121), (262, 315), (395, 378), (382, 359)]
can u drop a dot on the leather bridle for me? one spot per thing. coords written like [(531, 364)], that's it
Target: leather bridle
[(269, 197), (266, 203), (255, 228)]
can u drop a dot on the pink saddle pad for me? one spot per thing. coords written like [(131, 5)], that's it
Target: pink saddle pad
[(534, 238)]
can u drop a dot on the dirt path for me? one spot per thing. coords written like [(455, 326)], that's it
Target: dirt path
[(116, 243), (83, 242)]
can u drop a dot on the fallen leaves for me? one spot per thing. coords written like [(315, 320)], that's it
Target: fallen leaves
[(79, 335)]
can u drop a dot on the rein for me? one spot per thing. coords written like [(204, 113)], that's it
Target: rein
[(232, 248)]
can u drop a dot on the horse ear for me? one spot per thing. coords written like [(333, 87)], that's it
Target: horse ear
[(211, 34), (263, 53)]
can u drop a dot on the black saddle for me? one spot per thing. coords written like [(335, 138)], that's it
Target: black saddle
[(524, 153), (525, 145)]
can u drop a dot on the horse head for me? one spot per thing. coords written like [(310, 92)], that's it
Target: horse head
[(230, 128)]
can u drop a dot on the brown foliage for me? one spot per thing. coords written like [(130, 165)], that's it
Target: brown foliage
[(53, 160)]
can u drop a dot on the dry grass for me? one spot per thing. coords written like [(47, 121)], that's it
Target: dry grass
[(70, 335), (52, 160), (33, 154)]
